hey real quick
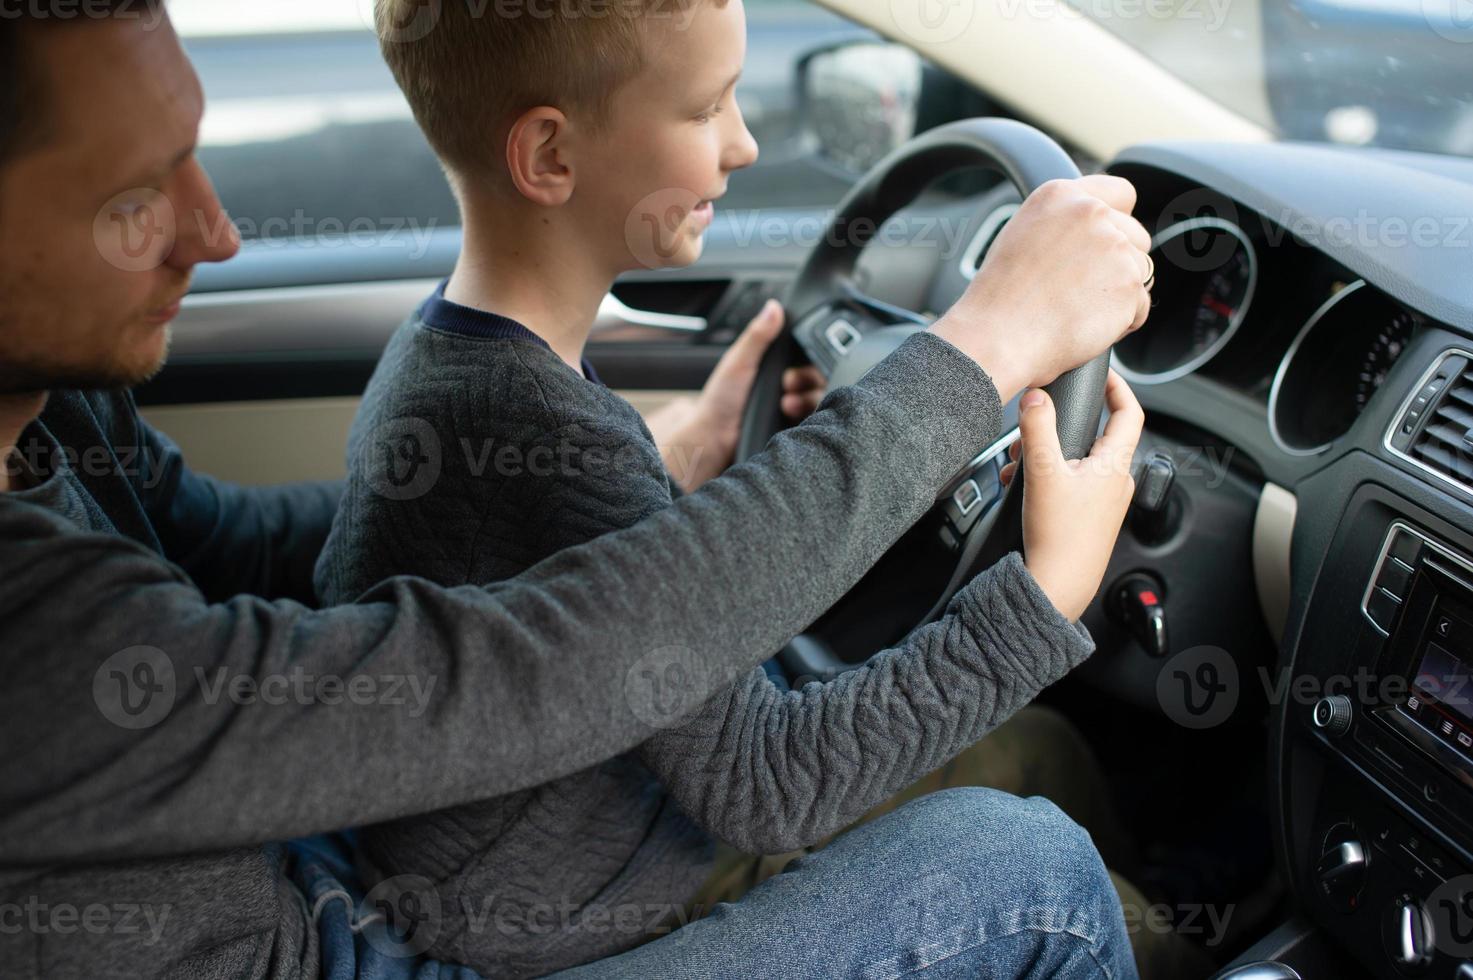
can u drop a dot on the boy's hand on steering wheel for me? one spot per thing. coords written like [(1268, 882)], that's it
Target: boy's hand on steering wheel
[(698, 437), (1073, 509)]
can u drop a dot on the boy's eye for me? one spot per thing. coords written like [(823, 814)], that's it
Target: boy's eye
[(705, 116)]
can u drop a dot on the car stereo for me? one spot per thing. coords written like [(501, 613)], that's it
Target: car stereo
[(1421, 596)]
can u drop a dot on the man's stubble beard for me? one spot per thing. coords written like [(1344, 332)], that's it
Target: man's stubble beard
[(30, 376)]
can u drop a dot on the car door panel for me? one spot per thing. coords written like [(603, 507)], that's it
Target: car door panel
[(284, 338)]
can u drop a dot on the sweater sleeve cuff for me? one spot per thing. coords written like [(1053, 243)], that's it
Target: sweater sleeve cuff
[(943, 401), (1007, 607)]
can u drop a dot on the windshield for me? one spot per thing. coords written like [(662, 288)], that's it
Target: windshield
[(1393, 73)]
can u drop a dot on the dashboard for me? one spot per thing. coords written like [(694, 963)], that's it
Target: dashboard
[(1313, 326), (1308, 370)]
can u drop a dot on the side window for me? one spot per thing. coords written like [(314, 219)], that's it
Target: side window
[(305, 133), (308, 138)]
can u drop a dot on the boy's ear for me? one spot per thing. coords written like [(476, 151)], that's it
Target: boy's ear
[(538, 156)]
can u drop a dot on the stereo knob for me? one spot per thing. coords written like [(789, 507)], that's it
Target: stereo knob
[(1332, 715)]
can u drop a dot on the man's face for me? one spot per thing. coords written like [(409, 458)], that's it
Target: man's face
[(104, 217), (673, 138)]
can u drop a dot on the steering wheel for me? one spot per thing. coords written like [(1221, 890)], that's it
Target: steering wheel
[(845, 332)]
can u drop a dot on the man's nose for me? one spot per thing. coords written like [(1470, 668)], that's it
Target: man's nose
[(206, 233)]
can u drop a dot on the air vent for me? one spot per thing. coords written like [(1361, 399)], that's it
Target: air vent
[(1434, 428)]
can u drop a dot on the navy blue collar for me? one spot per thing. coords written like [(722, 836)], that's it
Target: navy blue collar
[(442, 314)]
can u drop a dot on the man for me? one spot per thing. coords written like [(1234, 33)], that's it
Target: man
[(173, 707)]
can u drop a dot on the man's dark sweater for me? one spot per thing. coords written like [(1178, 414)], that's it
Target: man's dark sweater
[(170, 826), (536, 458)]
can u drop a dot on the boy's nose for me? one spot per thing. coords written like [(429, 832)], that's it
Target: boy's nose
[(741, 151)]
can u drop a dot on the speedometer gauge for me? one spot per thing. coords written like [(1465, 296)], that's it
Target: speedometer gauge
[(1335, 366), (1206, 272), (1385, 348)]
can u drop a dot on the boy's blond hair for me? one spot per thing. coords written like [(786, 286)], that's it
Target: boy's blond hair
[(469, 67)]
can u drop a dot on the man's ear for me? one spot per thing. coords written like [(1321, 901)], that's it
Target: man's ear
[(538, 156)]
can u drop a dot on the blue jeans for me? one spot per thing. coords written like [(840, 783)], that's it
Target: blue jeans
[(966, 882)]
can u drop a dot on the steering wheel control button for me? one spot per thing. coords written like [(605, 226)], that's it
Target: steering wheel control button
[(968, 502), (1332, 715), (1135, 602), (842, 336), (967, 496)]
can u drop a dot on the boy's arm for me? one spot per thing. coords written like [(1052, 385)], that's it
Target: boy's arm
[(768, 770)]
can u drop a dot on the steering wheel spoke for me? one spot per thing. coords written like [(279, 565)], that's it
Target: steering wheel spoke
[(835, 331)]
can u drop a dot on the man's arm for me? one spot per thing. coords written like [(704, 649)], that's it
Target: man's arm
[(426, 697), (232, 540)]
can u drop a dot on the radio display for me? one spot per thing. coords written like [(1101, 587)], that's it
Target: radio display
[(1441, 697), (1444, 678)]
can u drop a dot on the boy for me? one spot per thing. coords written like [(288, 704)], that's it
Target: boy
[(591, 118)]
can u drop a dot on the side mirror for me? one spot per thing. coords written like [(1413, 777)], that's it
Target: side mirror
[(859, 101)]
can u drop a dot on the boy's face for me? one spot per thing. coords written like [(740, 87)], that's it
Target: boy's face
[(674, 136)]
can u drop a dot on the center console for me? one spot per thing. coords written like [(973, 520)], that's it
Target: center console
[(1376, 769)]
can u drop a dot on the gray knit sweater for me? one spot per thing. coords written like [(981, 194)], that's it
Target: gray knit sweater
[(534, 458)]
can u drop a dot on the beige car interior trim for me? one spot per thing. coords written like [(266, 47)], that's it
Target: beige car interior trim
[(1066, 73), (261, 442), (1273, 530), (243, 442)]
